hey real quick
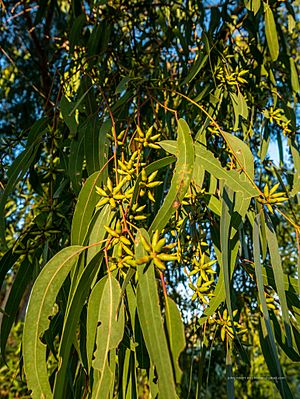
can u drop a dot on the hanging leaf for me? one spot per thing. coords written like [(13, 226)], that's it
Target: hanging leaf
[(85, 207), (93, 318), (241, 152), (76, 300), (181, 177), (39, 309), (206, 158), (271, 33), (110, 331), (76, 161), (198, 64), (21, 282), (153, 331), (278, 274), (66, 108), (175, 334)]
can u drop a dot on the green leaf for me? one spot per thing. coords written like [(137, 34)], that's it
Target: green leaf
[(85, 206), (271, 33), (153, 331), (93, 317), (40, 305), (266, 333), (181, 176), (204, 157), (76, 302), (253, 5), (6, 263), (97, 232), (66, 108), (21, 281), (240, 108), (76, 161), (176, 335), (294, 76), (90, 98), (96, 143), (296, 179), (279, 276), (196, 68), (76, 31), (109, 335), (241, 152), (227, 210), (240, 207)]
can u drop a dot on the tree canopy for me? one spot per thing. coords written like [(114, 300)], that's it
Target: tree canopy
[(149, 210)]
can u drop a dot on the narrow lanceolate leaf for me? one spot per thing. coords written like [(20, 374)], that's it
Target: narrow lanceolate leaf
[(181, 177), (76, 161), (96, 143), (266, 334), (93, 317), (40, 306), (241, 152), (261, 292), (227, 207), (74, 308), (212, 165), (296, 180), (21, 281), (279, 276), (110, 331), (294, 76), (97, 232), (271, 34), (196, 68), (176, 335), (84, 209), (240, 208), (153, 331)]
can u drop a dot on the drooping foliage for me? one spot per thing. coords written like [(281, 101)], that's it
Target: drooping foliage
[(150, 197)]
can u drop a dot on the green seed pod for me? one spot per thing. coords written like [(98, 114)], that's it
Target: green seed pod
[(223, 332), (100, 191), (150, 196), (159, 245), (273, 189), (153, 184), (149, 132), (118, 227), (155, 146), (109, 184), (118, 197), (155, 137), (125, 240), (167, 257), (159, 264), (155, 238), (146, 245), (139, 131), (144, 175), (127, 250), (102, 202), (112, 203), (111, 232), (139, 217), (152, 176)]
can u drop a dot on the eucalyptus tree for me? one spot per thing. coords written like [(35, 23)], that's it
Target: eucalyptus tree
[(158, 240)]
